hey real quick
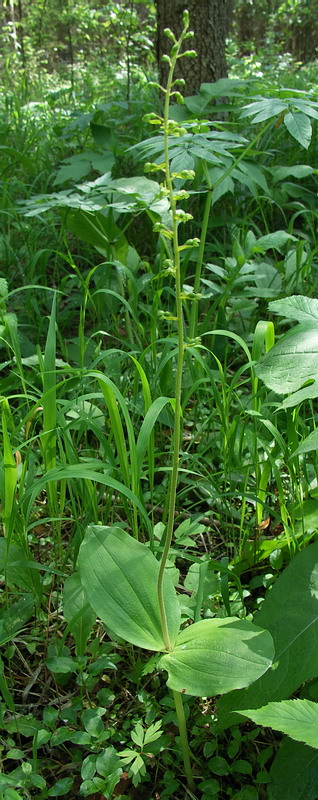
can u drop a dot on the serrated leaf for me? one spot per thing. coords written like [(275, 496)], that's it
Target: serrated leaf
[(120, 577), (226, 185), (290, 613), (102, 135), (267, 277), (73, 169), (291, 362), (139, 187), (224, 87), (298, 171), (308, 444), (276, 240), (307, 107), (3, 287), (181, 161), (264, 108), (298, 307), (299, 126), (214, 656), (254, 173), (297, 718), (303, 394)]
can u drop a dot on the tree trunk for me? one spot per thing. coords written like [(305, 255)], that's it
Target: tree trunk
[(208, 20), (13, 26)]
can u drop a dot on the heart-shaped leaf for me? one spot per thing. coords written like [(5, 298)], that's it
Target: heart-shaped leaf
[(215, 656), (120, 575)]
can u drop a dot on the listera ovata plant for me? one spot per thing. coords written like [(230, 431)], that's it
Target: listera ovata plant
[(129, 589)]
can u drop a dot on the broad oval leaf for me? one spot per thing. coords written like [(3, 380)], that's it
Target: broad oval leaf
[(292, 361), (120, 575), (215, 656), (297, 718)]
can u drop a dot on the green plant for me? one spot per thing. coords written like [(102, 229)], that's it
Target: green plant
[(127, 587)]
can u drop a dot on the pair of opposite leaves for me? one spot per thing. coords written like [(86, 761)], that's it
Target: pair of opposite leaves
[(213, 656)]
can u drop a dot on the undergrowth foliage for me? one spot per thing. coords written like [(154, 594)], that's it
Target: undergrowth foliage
[(158, 475)]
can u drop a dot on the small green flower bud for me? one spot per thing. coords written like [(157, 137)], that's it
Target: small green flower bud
[(179, 82), (182, 216), (191, 296), (189, 54), (169, 33), (151, 166), (193, 242), (166, 315), (181, 195), (179, 97), (186, 19), (184, 174), (160, 228), (189, 243), (166, 59), (152, 117), (189, 35)]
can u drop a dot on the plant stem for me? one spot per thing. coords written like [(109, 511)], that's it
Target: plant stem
[(177, 398), (178, 381), (184, 739)]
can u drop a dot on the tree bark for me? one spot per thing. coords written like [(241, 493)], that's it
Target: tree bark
[(208, 20)]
